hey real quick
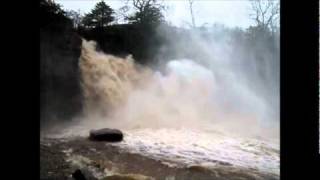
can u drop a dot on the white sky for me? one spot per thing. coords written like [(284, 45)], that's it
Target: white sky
[(231, 13)]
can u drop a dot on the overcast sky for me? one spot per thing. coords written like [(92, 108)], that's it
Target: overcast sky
[(231, 13)]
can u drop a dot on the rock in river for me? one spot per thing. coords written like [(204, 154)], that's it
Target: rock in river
[(77, 175), (106, 134)]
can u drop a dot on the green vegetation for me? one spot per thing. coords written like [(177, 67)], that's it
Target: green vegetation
[(100, 16)]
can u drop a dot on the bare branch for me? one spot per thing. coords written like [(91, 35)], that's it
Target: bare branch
[(265, 13), (191, 12)]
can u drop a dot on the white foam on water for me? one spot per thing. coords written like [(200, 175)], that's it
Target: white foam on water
[(183, 146)]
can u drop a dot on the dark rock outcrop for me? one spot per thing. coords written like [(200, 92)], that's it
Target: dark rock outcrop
[(60, 90), (106, 134), (128, 177), (60, 48), (78, 175)]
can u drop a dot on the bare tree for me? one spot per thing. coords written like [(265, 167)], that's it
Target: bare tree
[(266, 13), (191, 12), (141, 5), (122, 13), (75, 17), (145, 10)]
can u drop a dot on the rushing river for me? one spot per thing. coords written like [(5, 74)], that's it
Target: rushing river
[(182, 146), (186, 147)]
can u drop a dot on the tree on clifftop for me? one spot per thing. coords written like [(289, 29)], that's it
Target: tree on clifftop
[(52, 16), (100, 16), (147, 12), (266, 13)]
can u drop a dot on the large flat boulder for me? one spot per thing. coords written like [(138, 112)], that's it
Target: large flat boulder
[(106, 134)]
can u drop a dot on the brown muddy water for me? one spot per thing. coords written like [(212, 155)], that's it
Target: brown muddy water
[(155, 154)]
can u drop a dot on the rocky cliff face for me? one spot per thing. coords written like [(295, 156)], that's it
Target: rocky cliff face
[(60, 92)]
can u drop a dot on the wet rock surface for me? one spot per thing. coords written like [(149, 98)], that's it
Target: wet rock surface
[(106, 134), (128, 177), (52, 164), (78, 175), (59, 158)]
